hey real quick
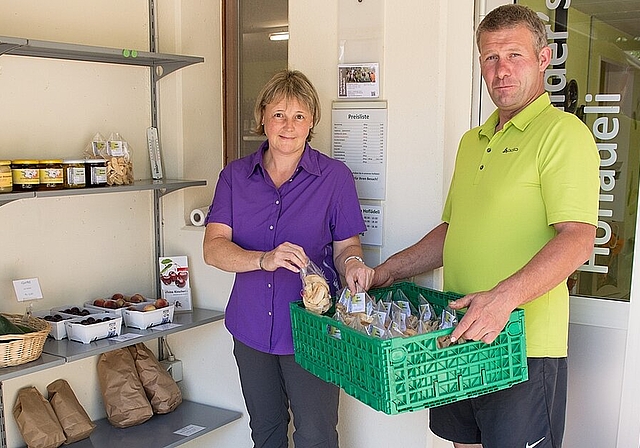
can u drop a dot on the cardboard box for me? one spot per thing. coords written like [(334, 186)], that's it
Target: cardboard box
[(58, 330), (145, 319), (76, 331)]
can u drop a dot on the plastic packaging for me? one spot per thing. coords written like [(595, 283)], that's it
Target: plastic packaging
[(119, 163)]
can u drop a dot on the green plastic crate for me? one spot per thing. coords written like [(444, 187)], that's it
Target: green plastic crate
[(408, 374)]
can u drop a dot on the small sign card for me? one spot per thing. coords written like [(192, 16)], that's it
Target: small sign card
[(174, 282), (27, 289), (358, 81)]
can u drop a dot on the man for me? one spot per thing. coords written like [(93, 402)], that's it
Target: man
[(519, 218)]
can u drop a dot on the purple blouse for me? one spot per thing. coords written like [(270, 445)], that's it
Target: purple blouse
[(317, 206)]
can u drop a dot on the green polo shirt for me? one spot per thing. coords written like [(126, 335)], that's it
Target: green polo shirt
[(507, 190)]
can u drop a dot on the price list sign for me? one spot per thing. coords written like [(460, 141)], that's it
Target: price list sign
[(359, 140)]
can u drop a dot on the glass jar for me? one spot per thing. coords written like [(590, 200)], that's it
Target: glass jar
[(6, 181), (51, 176), (96, 172), (25, 175), (74, 173)]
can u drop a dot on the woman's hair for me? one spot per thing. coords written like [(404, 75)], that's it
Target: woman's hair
[(510, 16), (287, 84)]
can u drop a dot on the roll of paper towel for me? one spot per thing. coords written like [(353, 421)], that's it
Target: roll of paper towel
[(198, 216)]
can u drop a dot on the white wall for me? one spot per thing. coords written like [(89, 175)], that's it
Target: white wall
[(55, 107), (426, 79)]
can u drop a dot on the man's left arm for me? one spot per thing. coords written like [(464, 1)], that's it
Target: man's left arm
[(488, 311)]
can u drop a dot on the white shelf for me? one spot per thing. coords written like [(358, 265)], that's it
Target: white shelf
[(159, 431), (163, 186), (73, 351), (162, 63)]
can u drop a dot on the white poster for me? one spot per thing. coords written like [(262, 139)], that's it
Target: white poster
[(372, 215), (359, 139)]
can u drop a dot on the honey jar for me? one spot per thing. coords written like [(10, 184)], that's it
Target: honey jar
[(25, 175), (51, 175)]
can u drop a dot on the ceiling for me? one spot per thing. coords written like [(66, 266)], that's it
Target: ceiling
[(620, 14), (259, 18)]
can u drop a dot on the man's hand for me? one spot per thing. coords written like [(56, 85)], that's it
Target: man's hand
[(382, 277), (486, 316)]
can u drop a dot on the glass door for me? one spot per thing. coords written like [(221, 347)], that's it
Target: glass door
[(256, 35), (595, 74)]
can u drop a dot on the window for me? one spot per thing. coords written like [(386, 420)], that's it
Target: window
[(595, 74), (255, 47)]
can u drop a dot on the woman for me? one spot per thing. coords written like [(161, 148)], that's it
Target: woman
[(273, 212)]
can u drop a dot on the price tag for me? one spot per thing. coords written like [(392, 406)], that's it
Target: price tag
[(27, 289), (358, 303), (189, 430)]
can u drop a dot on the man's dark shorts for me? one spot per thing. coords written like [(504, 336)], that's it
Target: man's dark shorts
[(526, 415)]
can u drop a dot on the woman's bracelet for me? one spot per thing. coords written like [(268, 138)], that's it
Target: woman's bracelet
[(264, 254), (353, 257)]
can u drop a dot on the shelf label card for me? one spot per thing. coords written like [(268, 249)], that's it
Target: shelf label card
[(189, 430), (27, 289), (163, 327), (125, 337)]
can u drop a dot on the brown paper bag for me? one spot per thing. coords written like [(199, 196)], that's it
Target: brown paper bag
[(74, 420), (122, 392), (36, 420), (161, 389)]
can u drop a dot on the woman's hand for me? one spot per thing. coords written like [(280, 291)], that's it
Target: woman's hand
[(287, 255), (347, 257), (358, 275)]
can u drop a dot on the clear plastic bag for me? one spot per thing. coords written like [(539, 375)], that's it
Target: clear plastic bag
[(315, 289), (117, 153), (119, 161)]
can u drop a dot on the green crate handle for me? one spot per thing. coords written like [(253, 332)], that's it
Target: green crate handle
[(398, 355), (514, 328)]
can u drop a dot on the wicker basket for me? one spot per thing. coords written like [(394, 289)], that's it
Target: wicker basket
[(16, 349)]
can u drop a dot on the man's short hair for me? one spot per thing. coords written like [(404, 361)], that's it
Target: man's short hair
[(511, 16)]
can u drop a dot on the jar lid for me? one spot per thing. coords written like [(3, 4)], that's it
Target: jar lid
[(73, 161), (25, 162), (5, 162), (95, 161), (51, 161)]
